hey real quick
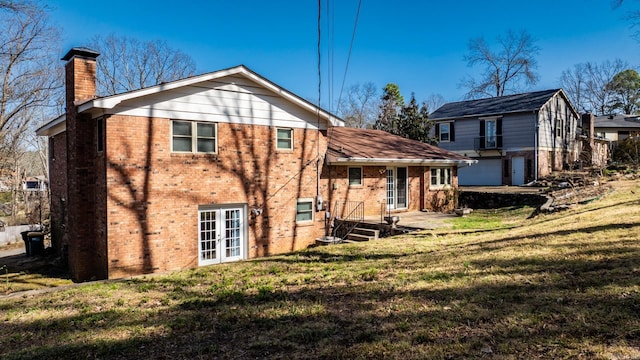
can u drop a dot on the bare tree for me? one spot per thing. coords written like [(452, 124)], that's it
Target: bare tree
[(573, 82), (129, 64), (586, 85), (360, 108), (28, 79), (505, 69), (434, 101), (13, 5)]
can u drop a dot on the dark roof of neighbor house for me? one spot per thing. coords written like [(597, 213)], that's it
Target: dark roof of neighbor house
[(496, 105), (366, 146), (620, 121)]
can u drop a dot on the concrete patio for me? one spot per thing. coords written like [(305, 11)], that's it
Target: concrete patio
[(416, 219)]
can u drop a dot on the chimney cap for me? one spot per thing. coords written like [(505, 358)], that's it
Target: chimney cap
[(81, 52)]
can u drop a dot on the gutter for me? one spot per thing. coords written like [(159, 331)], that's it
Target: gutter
[(535, 144), (385, 161)]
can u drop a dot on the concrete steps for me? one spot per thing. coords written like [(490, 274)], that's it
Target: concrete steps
[(363, 234)]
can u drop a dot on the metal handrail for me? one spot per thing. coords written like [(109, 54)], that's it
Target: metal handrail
[(354, 216)]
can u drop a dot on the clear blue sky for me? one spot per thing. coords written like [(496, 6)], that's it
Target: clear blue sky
[(419, 45)]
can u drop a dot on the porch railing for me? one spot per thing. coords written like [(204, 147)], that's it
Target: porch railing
[(350, 214)]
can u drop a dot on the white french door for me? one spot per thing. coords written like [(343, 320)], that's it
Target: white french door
[(221, 235), (397, 188)]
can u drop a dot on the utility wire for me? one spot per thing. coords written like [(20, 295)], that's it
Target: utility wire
[(346, 68)]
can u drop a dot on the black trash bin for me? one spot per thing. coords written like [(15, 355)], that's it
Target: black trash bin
[(27, 246), (36, 243)]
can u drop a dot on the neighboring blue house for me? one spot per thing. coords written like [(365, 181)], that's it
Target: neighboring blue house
[(515, 138)]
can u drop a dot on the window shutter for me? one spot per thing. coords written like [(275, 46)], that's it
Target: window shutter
[(482, 134), (438, 131), (499, 132), (452, 133)]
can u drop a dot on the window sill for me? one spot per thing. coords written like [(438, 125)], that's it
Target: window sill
[(305, 223), (194, 154), (441, 187)]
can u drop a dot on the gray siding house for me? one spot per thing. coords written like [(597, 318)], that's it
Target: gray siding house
[(515, 138)]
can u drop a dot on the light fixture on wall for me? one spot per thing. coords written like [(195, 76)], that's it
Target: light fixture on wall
[(256, 212)]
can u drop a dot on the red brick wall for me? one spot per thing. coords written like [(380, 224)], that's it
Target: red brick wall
[(58, 188), (373, 189), (153, 194), (80, 75), (87, 258)]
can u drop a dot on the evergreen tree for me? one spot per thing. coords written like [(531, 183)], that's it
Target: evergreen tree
[(625, 89), (406, 120), (390, 104), (413, 122)]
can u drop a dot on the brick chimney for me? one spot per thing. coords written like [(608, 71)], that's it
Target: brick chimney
[(85, 256), (588, 125), (80, 74)]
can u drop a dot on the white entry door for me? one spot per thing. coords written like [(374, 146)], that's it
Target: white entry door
[(397, 188), (517, 170), (221, 235)]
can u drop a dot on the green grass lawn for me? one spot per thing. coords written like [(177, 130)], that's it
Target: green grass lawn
[(499, 285)]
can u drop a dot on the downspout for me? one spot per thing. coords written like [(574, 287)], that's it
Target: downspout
[(535, 145)]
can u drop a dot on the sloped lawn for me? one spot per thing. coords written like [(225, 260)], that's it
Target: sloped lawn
[(564, 285)]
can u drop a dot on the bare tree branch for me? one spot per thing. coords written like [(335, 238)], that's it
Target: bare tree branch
[(506, 69), (128, 64), (28, 76), (360, 108)]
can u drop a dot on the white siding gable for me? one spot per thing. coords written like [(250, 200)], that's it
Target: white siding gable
[(231, 99)]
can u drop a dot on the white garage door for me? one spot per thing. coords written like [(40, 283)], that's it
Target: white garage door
[(485, 172)]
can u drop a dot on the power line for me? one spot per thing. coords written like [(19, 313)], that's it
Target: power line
[(346, 68)]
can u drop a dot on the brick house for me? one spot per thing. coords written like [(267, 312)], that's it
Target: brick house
[(217, 167), (390, 173)]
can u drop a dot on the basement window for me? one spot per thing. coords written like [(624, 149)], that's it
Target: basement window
[(191, 136), (304, 210)]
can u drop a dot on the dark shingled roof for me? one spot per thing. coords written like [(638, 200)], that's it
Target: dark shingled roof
[(351, 143), (495, 105), (618, 121)]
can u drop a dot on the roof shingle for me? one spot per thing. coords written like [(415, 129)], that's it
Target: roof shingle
[(495, 105), (366, 144)]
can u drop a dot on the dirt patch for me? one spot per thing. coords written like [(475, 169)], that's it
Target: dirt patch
[(14, 261)]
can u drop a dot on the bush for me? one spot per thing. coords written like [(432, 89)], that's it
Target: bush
[(5, 197), (627, 151)]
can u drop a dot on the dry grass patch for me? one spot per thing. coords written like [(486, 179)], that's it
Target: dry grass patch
[(564, 285)]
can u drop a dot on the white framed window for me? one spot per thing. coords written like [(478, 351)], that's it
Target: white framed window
[(304, 210), (558, 127), (284, 139), (440, 177), (445, 132), (491, 134), (355, 176), (192, 136)]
